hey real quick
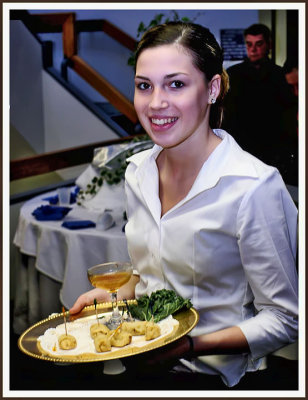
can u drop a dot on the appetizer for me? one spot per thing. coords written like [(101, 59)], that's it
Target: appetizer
[(102, 342), (120, 339), (67, 342), (152, 331), (97, 328), (135, 328)]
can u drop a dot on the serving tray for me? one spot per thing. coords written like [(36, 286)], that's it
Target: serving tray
[(28, 342)]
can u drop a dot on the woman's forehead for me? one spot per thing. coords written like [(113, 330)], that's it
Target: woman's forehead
[(164, 56)]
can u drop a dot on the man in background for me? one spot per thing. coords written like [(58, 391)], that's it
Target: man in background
[(260, 107)]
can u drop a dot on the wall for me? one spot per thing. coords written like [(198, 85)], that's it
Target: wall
[(26, 108), (46, 115), (67, 122), (281, 32)]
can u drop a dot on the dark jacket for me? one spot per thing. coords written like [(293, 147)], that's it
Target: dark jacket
[(260, 111)]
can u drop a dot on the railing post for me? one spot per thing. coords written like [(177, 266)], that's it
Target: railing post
[(69, 36)]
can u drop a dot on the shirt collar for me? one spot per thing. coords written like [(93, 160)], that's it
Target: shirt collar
[(228, 159)]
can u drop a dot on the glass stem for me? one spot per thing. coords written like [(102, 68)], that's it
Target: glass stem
[(114, 303)]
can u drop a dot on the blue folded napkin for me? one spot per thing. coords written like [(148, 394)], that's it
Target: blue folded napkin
[(81, 224), (55, 199), (50, 213)]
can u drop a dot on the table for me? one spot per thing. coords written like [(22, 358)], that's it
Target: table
[(53, 260)]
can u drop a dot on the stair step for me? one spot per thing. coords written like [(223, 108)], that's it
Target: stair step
[(119, 118), (108, 108)]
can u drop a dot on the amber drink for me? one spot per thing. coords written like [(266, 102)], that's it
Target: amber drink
[(110, 282)]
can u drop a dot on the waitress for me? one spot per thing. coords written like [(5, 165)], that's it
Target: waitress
[(205, 218)]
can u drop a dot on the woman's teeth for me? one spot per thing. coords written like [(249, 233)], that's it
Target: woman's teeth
[(163, 120)]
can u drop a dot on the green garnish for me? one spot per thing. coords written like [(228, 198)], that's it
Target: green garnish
[(160, 304)]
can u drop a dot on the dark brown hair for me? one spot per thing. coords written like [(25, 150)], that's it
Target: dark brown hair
[(259, 29), (206, 53)]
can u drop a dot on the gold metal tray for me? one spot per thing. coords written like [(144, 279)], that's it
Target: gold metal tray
[(28, 343)]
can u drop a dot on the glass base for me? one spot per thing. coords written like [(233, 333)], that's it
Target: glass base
[(114, 322), (113, 367)]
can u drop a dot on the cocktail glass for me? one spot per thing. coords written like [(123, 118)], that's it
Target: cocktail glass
[(111, 276)]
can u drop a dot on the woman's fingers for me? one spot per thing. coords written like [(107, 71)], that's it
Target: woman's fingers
[(87, 299)]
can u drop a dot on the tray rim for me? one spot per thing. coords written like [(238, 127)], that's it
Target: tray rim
[(107, 356)]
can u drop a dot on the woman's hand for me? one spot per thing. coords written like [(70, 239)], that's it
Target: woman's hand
[(87, 299), (161, 359), (173, 351)]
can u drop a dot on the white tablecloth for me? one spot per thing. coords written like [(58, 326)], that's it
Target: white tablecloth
[(64, 255)]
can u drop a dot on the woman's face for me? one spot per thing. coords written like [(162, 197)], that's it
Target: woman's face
[(171, 97)]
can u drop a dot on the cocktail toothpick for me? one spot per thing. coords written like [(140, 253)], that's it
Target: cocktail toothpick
[(63, 311), (115, 331), (95, 304)]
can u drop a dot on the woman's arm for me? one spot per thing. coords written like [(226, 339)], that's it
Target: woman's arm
[(226, 341), (126, 292)]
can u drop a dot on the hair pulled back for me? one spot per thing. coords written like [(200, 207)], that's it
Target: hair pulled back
[(206, 53)]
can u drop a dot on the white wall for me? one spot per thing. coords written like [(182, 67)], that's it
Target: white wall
[(26, 108), (67, 122), (46, 115), (281, 31)]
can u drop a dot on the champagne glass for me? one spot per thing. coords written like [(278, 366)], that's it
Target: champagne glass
[(111, 276)]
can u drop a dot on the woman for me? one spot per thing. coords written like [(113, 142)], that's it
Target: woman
[(205, 218)]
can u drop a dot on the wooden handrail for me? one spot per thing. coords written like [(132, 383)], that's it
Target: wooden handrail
[(65, 22), (90, 75), (69, 36), (120, 36), (52, 161), (53, 22), (69, 27)]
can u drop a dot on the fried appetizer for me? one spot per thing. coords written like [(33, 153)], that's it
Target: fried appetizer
[(152, 331), (135, 328), (102, 342), (97, 328), (67, 342), (121, 338)]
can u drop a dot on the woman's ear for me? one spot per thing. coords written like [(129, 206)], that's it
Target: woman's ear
[(214, 88)]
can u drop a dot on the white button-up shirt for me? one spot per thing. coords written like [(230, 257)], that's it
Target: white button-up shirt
[(229, 246)]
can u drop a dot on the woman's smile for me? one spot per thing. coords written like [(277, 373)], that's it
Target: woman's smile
[(162, 123)]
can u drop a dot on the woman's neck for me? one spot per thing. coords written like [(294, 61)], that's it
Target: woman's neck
[(179, 167), (186, 158)]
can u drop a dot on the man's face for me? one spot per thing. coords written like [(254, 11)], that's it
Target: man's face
[(256, 47)]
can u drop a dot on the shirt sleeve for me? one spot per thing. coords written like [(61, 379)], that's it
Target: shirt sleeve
[(267, 237)]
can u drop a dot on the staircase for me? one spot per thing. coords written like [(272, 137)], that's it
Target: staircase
[(117, 111)]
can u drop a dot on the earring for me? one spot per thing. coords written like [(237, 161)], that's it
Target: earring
[(213, 100)]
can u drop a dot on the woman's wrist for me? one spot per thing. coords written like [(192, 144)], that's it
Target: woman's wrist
[(191, 350)]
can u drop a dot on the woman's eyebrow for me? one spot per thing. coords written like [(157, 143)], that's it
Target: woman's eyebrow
[(165, 77), (142, 77), (174, 74)]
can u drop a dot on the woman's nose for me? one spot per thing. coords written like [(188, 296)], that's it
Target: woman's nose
[(158, 99)]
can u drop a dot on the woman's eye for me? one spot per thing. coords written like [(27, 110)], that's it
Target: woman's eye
[(143, 86), (176, 84)]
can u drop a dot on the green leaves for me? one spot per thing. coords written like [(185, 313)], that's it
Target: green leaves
[(160, 304)]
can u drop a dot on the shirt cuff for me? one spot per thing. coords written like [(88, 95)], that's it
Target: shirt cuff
[(264, 334)]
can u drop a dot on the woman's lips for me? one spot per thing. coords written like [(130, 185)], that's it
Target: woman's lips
[(162, 123)]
